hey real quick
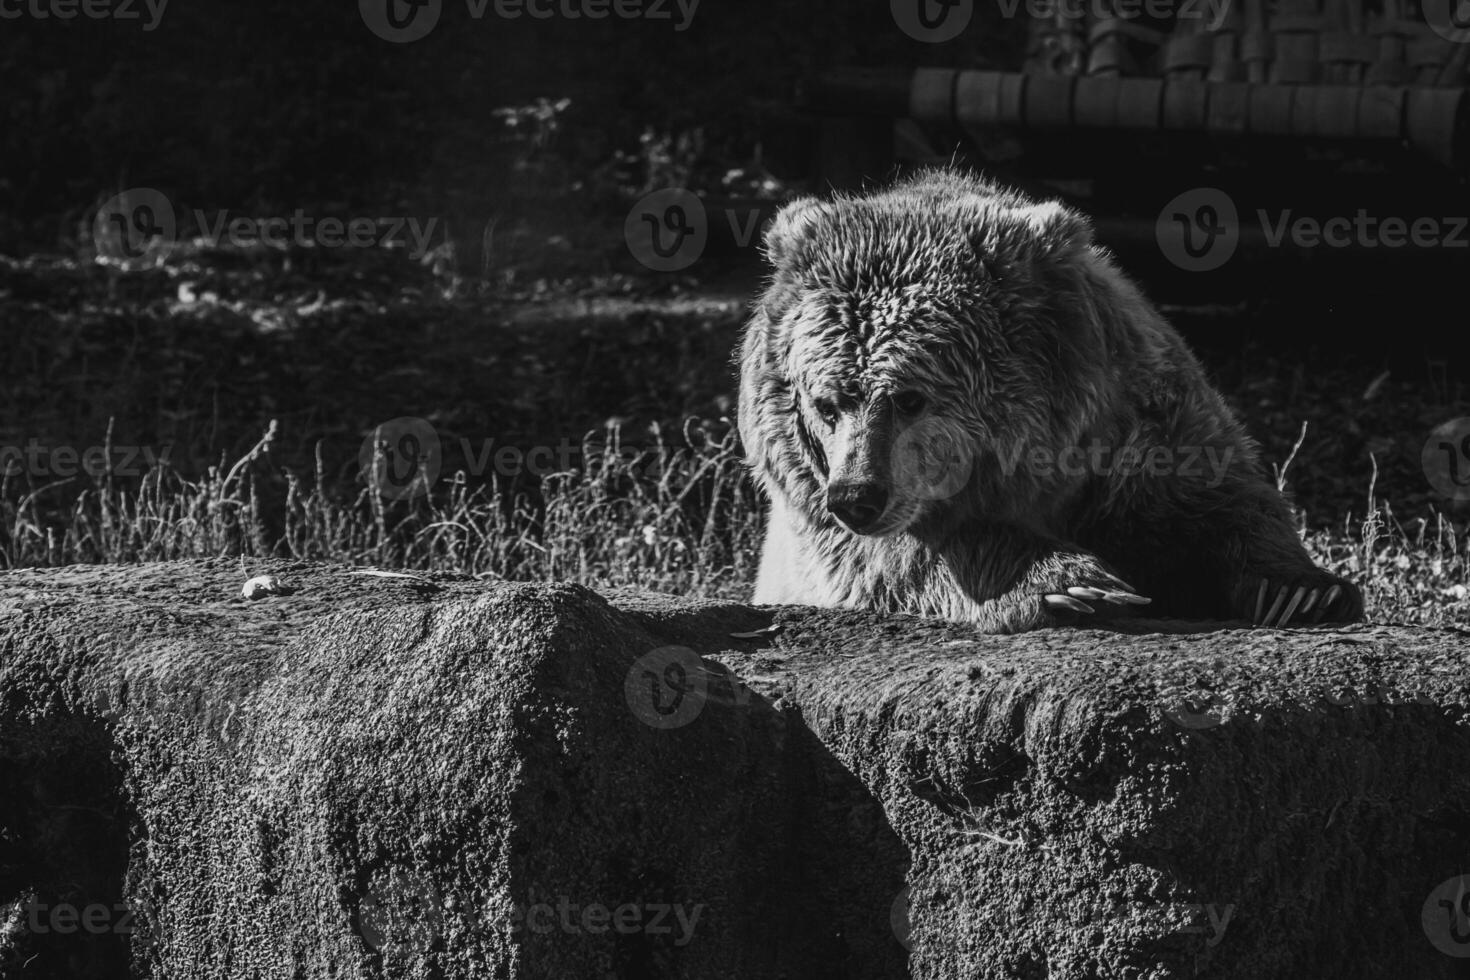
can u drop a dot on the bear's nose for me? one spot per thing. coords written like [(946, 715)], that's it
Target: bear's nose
[(858, 505)]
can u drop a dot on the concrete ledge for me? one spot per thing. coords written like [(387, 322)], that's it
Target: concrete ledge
[(434, 776)]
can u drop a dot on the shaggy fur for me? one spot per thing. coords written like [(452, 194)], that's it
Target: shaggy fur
[(921, 386)]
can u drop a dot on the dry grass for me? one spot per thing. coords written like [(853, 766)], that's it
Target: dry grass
[(677, 516)]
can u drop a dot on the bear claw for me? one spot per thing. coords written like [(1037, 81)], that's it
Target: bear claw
[(1117, 597), (1067, 602), (1076, 593), (1291, 607), (1304, 605), (1327, 601)]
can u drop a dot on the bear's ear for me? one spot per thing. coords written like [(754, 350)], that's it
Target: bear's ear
[(793, 228), (1056, 229), (1020, 231)]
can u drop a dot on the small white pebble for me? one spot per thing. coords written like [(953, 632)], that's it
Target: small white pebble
[(262, 586)]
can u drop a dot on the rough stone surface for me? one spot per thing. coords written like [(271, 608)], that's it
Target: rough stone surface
[(438, 777)]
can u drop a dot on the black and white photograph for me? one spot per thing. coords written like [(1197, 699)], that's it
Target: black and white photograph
[(735, 490)]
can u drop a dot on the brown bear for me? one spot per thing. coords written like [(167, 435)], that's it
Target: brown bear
[(959, 407)]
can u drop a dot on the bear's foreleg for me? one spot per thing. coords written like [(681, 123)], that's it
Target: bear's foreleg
[(1227, 552), (1268, 577), (1021, 581)]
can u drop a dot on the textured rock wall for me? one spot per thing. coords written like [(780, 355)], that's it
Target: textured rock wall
[(435, 777)]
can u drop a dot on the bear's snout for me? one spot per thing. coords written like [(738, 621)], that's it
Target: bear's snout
[(858, 505)]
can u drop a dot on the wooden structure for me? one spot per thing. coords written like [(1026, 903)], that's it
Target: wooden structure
[(1263, 81)]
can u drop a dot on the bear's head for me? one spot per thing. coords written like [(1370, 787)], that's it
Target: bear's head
[(914, 344)]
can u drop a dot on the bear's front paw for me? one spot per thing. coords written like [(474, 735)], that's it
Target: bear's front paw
[(1298, 599), (1079, 590)]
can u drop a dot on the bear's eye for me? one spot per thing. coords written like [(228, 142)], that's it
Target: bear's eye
[(826, 408), (909, 402)]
